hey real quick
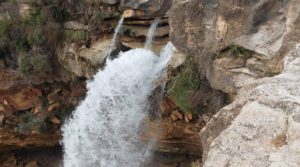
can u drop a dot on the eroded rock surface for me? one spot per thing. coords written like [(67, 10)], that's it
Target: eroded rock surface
[(263, 119), (248, 50), (266, 28)]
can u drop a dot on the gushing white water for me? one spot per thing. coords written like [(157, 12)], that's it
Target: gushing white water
[(113, 41), (151, 33), (103, 132)]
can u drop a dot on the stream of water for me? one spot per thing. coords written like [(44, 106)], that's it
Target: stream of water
[(113, 41), (151, 33), (104, 129)]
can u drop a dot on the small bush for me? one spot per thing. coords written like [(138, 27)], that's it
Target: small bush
[(75, 36), (32, 64), (34, 36), (184, 85)]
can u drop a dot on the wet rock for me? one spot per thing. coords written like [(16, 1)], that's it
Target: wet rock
[(136, 31), (178, 138), (157, 45), (142, 22)]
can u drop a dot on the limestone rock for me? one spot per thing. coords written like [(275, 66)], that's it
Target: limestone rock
[(261, 120)]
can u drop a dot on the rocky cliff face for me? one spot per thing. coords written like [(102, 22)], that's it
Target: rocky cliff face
[(247, 49)]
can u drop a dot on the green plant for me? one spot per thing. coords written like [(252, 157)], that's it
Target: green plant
[(184, 85), (239, 51), (75, 36), (32, 64), (35, 17), (34, 36)]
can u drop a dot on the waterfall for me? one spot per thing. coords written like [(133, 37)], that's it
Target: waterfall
[(151, 33), (104, 129), (113, 41)]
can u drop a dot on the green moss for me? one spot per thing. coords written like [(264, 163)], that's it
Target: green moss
[(184, 85)]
